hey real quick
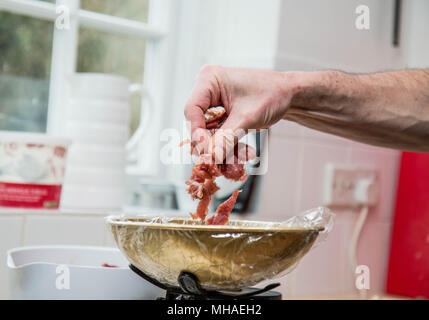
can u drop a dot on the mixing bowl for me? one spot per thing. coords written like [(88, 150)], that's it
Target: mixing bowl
[(232, 256)]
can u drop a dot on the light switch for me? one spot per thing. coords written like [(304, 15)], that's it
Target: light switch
[(350, 186)]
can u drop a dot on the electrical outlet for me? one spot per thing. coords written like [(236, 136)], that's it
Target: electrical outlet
[(350, 186)]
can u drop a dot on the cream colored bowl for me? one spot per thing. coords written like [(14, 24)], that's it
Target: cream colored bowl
[(234, 256)]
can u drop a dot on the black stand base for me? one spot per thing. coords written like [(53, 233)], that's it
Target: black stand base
[(190, 289)]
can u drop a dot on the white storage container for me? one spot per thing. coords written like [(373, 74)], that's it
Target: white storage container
[(42, 273)]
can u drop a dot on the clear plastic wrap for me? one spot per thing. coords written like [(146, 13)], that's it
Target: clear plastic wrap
[(227, 257)]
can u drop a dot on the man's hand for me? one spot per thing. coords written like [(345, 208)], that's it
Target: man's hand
[(253, 99)]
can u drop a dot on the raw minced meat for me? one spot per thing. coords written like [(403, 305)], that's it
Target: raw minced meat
[(202, 185)]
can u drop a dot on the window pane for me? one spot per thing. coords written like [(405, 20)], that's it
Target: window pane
[(103, 52), (129, 9), (25, 60)]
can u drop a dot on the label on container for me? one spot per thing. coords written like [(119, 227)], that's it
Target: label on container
[(31, 175), (25, 195)]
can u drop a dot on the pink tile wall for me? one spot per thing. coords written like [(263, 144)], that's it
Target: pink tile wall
[(294, 183)]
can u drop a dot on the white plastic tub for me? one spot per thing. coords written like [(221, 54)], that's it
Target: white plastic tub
[(32, 167), (74, 272)]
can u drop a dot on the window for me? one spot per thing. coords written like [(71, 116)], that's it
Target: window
[(111, 36), (128, 9), (25, 61)]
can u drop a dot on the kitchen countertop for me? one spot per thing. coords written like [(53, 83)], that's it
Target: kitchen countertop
[(100, 212)]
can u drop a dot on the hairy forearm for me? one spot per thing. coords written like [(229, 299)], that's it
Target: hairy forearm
[(385, 109)]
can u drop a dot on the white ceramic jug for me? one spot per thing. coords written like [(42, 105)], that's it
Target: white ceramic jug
[(97, 121), (103, 100)]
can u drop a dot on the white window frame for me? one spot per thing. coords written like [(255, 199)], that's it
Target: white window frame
[(64, 53)]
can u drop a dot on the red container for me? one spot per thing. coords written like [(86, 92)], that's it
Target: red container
[(408, 273)]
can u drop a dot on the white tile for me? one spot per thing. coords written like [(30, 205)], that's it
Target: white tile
[(45, 230), (373, 251), (109, 241), (316, 156), (10, 237), (343, 215), (320, 271), (281, 183), (348, 275), (285, 128), (322, 137), (368, 147)]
